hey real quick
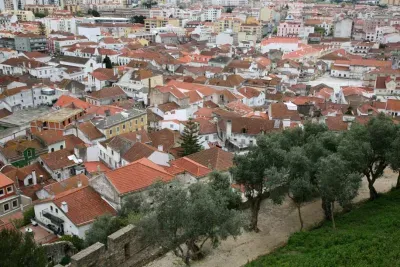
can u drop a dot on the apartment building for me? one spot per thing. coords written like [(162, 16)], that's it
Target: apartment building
[(152, 23)]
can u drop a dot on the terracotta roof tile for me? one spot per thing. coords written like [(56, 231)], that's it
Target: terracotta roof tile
[(165, 137), (281, 111), (58, 159), (67, 184), (104, 74), (108, 92), (214, 158), (90, 131), (67, 101), (138, 151), (194, 168), (336, 123), (49, 137), (393, 105), (4, 180), (137, 176), (84, 205)]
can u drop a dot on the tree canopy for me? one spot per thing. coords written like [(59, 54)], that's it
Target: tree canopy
[(18, 249), (190, 142), (366, 148), (190, 216), (107, 62), (102, 227)]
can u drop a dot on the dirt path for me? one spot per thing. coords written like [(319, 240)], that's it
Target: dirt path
[(277, 223)]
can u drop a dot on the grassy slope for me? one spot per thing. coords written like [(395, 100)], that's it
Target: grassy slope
[(367, 236)]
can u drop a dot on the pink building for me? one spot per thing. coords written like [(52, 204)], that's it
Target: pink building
[(289, 28)]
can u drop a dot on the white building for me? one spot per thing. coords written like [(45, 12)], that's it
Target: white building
[(72, 212)]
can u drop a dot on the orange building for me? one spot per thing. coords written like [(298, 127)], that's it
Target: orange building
[(57, 120)]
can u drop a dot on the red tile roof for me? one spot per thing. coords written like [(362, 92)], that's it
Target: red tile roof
[(194, 168), (107, 92), (84, 205), (393, 105), (138, 151), (58, 159), (336, 123), (207, 126), (214, 158), (90, 131), (68, 101), (137, 176), (104, 74), (4, 180), (67, 184), (96, 166), (49, 137)]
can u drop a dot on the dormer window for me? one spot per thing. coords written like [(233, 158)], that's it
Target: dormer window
[(10, 189)]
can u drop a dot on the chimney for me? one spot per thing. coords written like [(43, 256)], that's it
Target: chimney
[(139, 137), (41, 179), (115, 71), (98, 168), (228, 129), (64, 206), (34, 179), (79, 183), (107, 112), (257, 113), (160, 148)]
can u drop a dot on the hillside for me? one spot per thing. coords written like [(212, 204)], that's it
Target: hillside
[(367, 236)]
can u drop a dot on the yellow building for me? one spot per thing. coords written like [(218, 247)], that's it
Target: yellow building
[(124, 122), (228, 23), (266, 13), (251, 28), (152, 23), (42, 9), (22, 15)]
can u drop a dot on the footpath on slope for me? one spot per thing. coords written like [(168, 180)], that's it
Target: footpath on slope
[(277, 223)]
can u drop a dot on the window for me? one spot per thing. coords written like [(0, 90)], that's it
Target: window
[(10, 189), (117, 129), (59, 175), (110, 131), (56, 210), (6, 207), (61, 147), (123, 126), (52, 149), (51, 208), (1, 192), (136, 121), (30, 181), (15, 203)]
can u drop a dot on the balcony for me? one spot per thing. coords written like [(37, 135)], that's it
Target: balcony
[(54, 219)]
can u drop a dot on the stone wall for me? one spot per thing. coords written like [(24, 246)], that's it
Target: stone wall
[(124, 249), (58, 250)]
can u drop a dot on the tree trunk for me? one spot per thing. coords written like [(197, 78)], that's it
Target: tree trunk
[(373, 194), (398, 181), (300, 218), (326, 206), (255, 208), (332, 216), (194, 248)]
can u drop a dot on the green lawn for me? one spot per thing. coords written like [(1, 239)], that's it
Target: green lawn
[(367, 236)]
